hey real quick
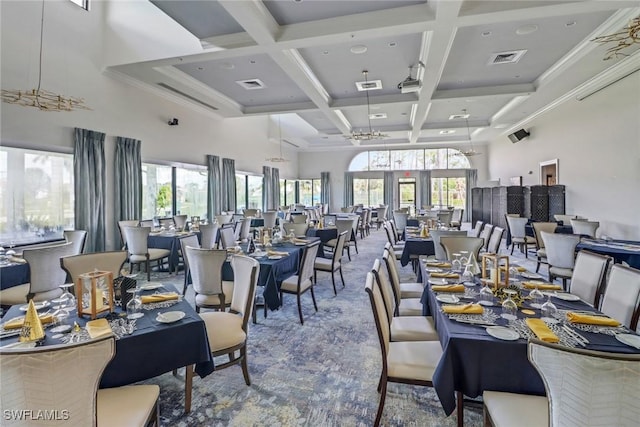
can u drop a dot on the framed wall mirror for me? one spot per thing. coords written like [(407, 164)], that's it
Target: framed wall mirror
[(549, 172)]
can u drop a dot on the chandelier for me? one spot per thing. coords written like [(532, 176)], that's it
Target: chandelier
[(370, 134), (469, 152), (280, 159), (39, 98), (623, 39)]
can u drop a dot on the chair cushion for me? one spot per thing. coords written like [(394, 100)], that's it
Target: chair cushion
[(542, 253), (290, 284), (411, 290), (325, 264), (332, 243), (561, 272), (224, 329), (126, 406), (397, 253), (203, 300), (155, 253), (14, 295), (410, 307), (413, 328), (511, 409), (413, 360)]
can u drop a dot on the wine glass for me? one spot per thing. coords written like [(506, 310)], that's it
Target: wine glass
[(537, 297), (456, 265), (549, 310), (467, 276), (134, 306), (486, 294), (68, 296), (509, 306), (464, 257)]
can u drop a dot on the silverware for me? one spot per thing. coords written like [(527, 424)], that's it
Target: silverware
[(581, 339), (477, 323)]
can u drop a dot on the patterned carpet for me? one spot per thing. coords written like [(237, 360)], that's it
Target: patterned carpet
[(324, 373)]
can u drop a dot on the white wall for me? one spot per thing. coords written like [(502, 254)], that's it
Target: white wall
[(73, 66), (597, 144)]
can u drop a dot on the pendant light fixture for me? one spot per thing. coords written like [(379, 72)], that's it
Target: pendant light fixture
[(470, 151), (280, 159), (370, 134)]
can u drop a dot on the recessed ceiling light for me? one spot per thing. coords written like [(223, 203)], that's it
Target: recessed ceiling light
[(486, 33), (326, 52), (403, 114), (200, 68), (527, 29), (358, 49), (570, 24), (252, 61), (447, 132), (393, 44)]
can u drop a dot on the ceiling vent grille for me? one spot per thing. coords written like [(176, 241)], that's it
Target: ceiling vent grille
[(369, 85), (375, 116), (510, 57), (251, 84), (458, 116), (192, 98)]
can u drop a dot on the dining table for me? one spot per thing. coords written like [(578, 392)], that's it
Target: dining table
[(152, 349), (324, 234), (13, 273), (474, 361), (620, 250), (169, 240)]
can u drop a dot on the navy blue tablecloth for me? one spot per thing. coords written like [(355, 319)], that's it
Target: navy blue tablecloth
[(615, 249), (153, 349), (473, 361), (416, 246), (13, 275), (324, 234)]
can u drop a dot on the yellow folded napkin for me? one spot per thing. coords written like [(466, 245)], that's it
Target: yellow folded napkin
[(542, 286), (448, 288), (277, 253), (444, 275), (517, 267), (438, 264), (168, 296), (98, 328), (591, 320), (463, 309), (296, 240), (17, 260), (19, 321), (541, 330)]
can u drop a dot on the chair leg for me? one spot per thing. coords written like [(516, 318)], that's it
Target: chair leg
[(333, 281), (148, 271), (341, 276), (313, 298), (513, 245), (300, 309), (243, 363), (383, 395), (538, 266), (188, 387), (355, 243), (460, 408), (349, 252)]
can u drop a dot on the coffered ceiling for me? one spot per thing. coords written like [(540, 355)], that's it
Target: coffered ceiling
[(502, 61)]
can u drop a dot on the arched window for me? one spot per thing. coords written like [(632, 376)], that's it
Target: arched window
[(416, 159)]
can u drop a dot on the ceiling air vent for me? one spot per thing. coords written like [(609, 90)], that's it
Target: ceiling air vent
[(510, 57), (184, 95), (251, 84), (458, 116), (375, 116), (369, 85)]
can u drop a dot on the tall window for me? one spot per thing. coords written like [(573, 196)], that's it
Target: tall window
[(368, 191), (290, 192), (254, 186), (36, 195), (241, 192), (191, 192), (157, 191), (306, 192), (283, 194), (449, 192), (316, 190)]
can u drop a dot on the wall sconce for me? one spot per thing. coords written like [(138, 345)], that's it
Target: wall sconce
[(173, 122)]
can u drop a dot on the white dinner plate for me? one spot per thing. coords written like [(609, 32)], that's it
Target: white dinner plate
[(469, 284), (629, 339), (149, 286), (448, 298), (503, 333), (438, 281), (566, 297), (300, 243), (39, 305), (170, 316), (530, 275), (434, 270), (275, 257)]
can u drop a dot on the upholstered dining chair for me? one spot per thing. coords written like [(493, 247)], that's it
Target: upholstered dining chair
[(342, 225), (584, 388), (584, 227), (403, 328), (477, 229), (400, 221), (588, 278), (227, 238), (331, 265), (245, 229), (67, 379), (560, 254), (299, 229), (139, 250), (223, 219), (46, 275), (255, 213), (407, 362), (516, 226), (299, 218), (205, 266), (302, 282), (209, 235), (180, 222), (270, 218), (456, 244), (77, 237), (456, 218), (436, 235), (126, 223), (407, 295), (621, 299), (444, 216), (111, 261), (541, 251), (228, 331), (495, 240), (381, 215), (188, 241), (485, 235)]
